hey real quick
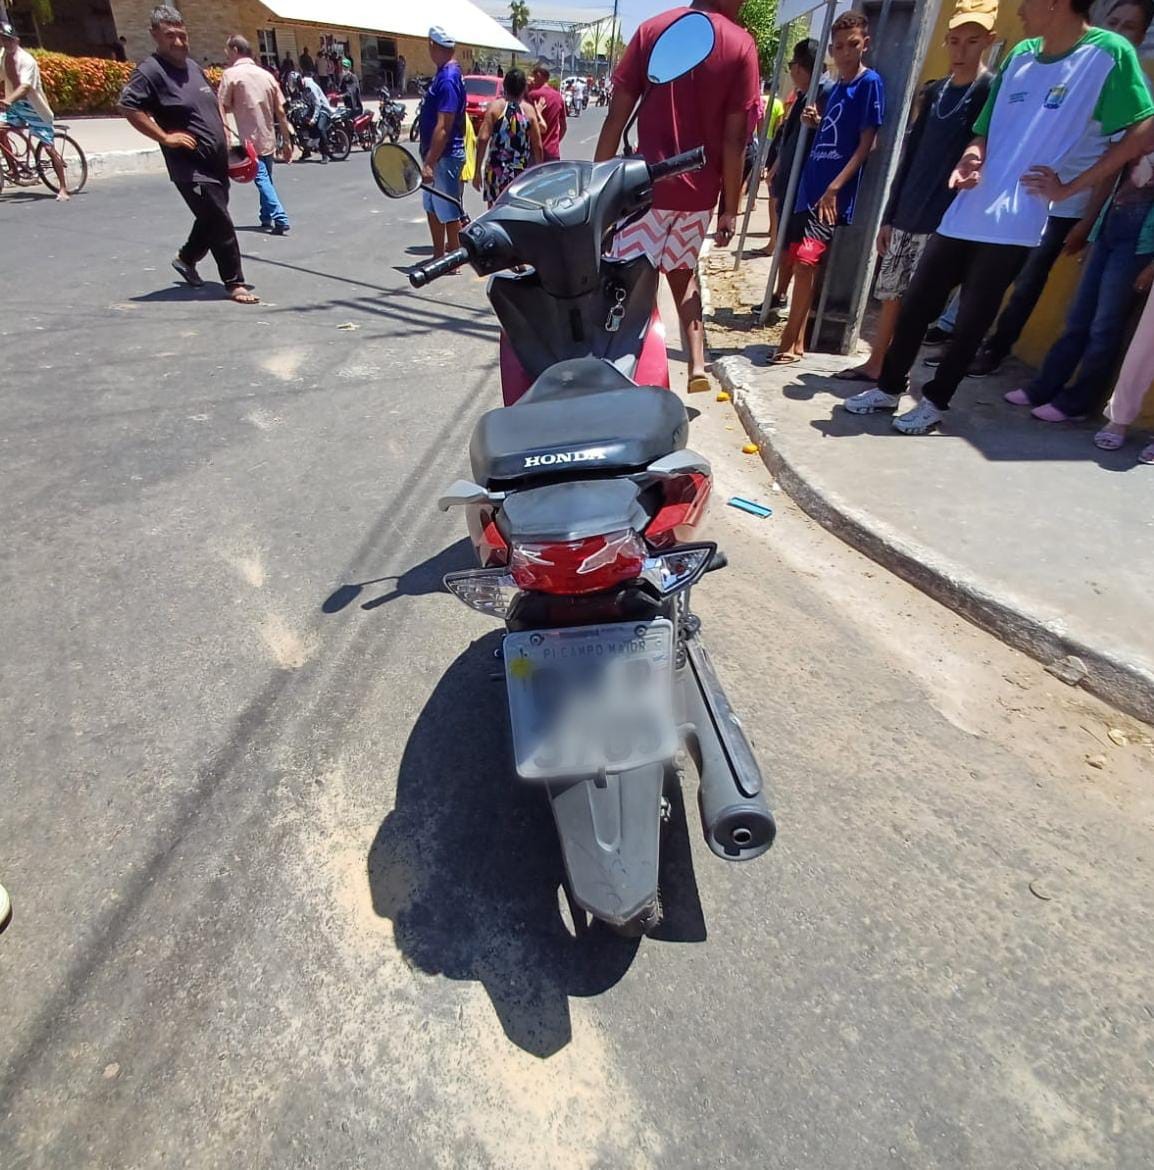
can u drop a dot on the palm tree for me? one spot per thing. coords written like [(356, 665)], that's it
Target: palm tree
[(519, 18)]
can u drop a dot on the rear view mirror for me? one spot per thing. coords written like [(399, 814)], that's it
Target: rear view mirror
[(395, 170), (681, 47)]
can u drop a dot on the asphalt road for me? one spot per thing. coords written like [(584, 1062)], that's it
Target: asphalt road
[(278, 904)]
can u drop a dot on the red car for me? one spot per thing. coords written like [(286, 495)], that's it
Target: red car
[(479, 92)]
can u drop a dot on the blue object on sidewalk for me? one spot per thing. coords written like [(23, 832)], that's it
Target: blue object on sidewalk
[(749, 506)]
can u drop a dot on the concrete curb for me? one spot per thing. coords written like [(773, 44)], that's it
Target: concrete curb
[(1127, 685), (110, 163)]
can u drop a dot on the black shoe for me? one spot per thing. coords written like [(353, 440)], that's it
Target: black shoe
[(189, 273), (936, 336), (984, 364), (306, 154), (281, 229), (934, 358)]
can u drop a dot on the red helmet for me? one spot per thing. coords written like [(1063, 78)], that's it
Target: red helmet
[(242, 162)]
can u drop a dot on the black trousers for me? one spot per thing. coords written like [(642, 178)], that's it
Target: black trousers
[(984, 271), (212, 230), (1028, 286)]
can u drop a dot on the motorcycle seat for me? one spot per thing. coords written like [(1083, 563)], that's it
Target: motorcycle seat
[(581, 416)]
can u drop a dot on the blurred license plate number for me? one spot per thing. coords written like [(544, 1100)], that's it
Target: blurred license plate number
[(591, 697)]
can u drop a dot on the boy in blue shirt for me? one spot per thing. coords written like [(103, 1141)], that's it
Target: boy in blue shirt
[(829, 183)]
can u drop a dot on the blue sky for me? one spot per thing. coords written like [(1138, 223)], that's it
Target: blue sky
[(633, 12)]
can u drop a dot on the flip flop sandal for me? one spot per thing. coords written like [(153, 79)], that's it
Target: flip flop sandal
[(699, 384), (245, 297), (1146, 455), (188, 274), (853, 374), (1109, 441), (785, 359)]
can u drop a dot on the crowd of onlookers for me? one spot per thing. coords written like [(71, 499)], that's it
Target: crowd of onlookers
[(1001, 173)]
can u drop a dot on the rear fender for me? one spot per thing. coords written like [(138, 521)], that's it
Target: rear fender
[(610, 834)]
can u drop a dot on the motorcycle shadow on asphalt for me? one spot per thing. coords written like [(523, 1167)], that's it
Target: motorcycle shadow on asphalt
[(468, 868)]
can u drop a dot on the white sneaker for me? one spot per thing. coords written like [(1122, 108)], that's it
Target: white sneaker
[(924, 418), (871, 401), (5, 907)]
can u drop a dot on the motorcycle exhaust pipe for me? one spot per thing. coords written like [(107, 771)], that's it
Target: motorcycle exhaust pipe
[(735, 817)]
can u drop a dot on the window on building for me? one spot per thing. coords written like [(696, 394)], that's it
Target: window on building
[(266, 47)]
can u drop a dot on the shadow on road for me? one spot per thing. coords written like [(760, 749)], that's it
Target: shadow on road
[(468, 868), (427, 577)]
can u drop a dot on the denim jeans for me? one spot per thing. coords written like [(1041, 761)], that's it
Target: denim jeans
[(271, 210), (1029, 286), (1096, 322)]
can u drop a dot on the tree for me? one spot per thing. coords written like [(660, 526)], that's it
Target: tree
[(518, 18), (760, 18)]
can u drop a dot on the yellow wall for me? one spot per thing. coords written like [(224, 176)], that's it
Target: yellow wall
[(1046, 322)]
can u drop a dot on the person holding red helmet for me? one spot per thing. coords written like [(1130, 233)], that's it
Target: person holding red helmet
[(168, 99), (253, 97)]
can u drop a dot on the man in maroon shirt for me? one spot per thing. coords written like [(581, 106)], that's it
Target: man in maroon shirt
[(710, 106), (551, 110)]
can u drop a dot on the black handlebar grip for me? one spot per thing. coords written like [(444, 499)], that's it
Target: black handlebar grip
[(691, 160), (431, 269)]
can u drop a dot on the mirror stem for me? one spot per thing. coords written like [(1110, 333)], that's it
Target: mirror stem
[(465, 221)]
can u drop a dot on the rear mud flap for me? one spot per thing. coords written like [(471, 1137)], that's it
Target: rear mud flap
[(610, 833)]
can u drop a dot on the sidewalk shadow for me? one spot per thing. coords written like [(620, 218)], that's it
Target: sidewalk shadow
[(420, 580), (468, 868), (1000, 435)]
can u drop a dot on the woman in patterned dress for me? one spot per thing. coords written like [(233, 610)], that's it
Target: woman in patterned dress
[(509, 139)]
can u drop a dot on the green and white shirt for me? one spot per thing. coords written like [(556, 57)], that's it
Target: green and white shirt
[(1039, 110)]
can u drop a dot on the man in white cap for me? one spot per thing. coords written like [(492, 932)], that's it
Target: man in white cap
[(443, 142)]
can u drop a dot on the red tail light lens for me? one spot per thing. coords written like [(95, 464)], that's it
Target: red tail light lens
[(579, 566), (685, 500)]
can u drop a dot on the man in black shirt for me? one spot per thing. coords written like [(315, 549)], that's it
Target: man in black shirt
[(351, 87), (168, 99)]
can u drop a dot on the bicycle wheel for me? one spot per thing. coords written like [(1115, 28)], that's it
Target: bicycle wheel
[(339, 144), (75, 164), (18, 161)]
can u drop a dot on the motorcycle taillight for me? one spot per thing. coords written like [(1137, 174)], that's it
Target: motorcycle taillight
[(579, 566), (684, 498)]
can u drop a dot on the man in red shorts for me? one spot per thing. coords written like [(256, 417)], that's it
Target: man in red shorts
[(711, 106)]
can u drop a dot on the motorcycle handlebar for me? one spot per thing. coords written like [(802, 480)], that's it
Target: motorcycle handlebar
[(691, 160), (431, 269)]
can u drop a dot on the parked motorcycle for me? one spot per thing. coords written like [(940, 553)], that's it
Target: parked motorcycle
[(415, 128), (307, 137), (364, 128), (583, 511), (344, 123), (392, 118)]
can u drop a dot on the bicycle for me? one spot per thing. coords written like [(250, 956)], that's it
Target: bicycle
[(25, 164)]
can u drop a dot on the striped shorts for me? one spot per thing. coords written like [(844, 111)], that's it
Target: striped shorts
[(22, 115), (671, 240)]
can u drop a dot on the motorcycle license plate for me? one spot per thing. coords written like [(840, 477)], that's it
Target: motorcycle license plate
[(591, 698)]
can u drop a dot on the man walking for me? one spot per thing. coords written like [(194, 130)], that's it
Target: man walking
[(253, 97), (710, 106), (24, 106), (550, 106), (443, 142), (168, 99)]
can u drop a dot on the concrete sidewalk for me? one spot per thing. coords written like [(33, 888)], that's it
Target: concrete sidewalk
[(113, 147), (1024, 528)]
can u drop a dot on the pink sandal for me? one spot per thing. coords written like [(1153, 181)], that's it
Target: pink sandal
[(1017, 397), (1109, 441), (1047, 412), (1146, 455)]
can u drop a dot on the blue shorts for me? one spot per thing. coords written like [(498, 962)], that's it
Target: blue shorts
[(22, 115), (447, 178)]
